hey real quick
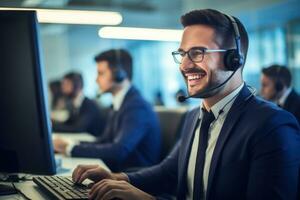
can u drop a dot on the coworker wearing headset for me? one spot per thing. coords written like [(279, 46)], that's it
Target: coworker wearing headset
[(234, 146), (276, 87), (132, 136), (84, 113)]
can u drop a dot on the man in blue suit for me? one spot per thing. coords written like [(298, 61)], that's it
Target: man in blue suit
[(132, 136), (235, 146), (276, 86)]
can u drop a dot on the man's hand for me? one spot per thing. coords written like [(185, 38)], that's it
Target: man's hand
[(95, 173), (112, 189), (60, 145)]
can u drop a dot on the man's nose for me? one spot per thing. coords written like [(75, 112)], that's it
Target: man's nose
[(186, 63)]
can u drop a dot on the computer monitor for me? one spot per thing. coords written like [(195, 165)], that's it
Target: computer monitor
[(25, 133)]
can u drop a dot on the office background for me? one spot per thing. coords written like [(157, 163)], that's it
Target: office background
[(273, 27)]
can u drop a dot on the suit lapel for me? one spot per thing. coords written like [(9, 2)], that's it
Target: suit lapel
[(115, 123), (119, 113), (107, 134), (232, 118), (185, 153)]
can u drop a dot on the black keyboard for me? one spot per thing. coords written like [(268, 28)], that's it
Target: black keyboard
[(61, 187)]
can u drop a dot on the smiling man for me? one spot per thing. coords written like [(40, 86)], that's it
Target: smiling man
[(233, 146)]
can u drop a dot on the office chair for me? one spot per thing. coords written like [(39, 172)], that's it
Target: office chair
[(171, 121)]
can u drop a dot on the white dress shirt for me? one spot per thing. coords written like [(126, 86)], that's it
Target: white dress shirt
[(77, 102), (283, 98), (119, 97), (223, 105)]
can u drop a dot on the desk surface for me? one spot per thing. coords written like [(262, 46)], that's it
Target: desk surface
[(33, 192)]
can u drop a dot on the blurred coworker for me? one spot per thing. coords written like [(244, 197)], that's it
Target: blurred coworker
[(276, 87), (132, 136), (57, 97), (83, 114)]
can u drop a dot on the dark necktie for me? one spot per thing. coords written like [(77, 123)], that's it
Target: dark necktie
[(279, 105), (207, 119)]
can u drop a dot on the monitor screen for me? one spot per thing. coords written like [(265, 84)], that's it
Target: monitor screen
[(25, 134)]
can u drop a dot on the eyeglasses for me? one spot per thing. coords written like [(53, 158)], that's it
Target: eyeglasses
[(195, 54)]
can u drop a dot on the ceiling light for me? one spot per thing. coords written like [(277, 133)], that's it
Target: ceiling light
[(131, 33), (74, 16)]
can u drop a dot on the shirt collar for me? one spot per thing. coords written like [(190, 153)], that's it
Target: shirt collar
[(225, 103), (283, 98), (119, 97), (78, 100)]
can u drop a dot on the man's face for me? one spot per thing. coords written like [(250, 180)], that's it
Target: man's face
[(67, 87), (105, 77), (207, 74), (267, 90)]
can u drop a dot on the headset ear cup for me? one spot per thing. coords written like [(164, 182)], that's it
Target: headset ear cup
[(278, 86), (119, 75), (119, 72), (232, 60), (228, 59)]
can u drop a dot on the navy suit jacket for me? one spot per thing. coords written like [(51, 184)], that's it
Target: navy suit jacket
[(87, 118), (292, 104), (131, 139), (256, 157)]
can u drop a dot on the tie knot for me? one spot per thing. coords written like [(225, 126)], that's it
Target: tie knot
[(208, 117)]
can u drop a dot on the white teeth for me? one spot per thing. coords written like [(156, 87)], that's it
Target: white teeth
[(194, 76)]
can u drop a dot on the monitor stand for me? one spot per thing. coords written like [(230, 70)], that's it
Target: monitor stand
[(7, 189)]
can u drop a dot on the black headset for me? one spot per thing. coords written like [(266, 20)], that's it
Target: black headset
[(119, 73), (233, 58), (77, 81), (278, 82)]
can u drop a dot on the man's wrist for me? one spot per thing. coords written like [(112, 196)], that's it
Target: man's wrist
[(71, 144), (120, 177)]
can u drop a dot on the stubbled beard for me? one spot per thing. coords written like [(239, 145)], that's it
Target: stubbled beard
[(208, 90)]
